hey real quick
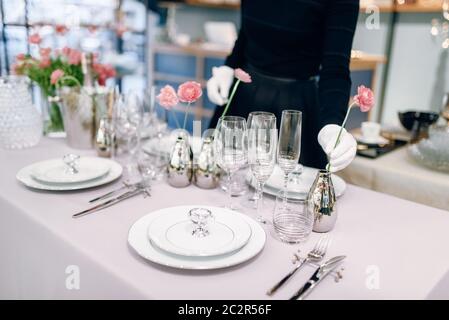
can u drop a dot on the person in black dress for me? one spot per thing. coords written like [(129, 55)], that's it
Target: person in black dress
[(298, 54)]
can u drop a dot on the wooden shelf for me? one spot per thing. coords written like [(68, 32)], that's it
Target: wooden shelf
[(224, 5), (419, 7)]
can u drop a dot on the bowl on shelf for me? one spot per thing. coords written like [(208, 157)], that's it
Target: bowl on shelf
[(411, 120)]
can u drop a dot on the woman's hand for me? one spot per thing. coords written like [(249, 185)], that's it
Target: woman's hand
[(344, 153), (219, 84)]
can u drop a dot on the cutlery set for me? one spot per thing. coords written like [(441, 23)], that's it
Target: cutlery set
[(314, 256), (132, 191)]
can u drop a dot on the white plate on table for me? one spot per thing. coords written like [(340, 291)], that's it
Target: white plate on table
[(55, 170), (172, 232), (138, 240), (166, 143), (373, 141), (25, 176), (276, 183)]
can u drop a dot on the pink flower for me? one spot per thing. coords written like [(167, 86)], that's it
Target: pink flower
[(364, 98), (45, 62), (66, 51), (21, 57), (45, 52), (104, 72), (35, 38), (17, 69), (242, 75), (56, 75), (74, 57), (61, 29), (167, 97), (189, 91)]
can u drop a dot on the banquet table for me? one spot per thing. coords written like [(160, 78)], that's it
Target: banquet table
[(395, 249), (397, 174)]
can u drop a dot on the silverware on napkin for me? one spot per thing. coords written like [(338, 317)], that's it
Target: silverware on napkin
[(316, 255), (110, 202), (317, 276)]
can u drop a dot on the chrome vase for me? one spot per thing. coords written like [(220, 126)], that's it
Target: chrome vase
[(206, 172), (321, 201), (180, 164)]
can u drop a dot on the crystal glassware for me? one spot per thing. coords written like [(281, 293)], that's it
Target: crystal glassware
[(262, 141), (289, 146), (292, 221), (200, 218), (20, 122), (231, 147)]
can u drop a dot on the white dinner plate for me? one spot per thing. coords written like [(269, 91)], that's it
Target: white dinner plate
[(276, 183), (165, 145), (138, 240), (172, 232), (55, 170), (25, 176), (378, 140)]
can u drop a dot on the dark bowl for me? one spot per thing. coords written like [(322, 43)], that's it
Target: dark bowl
[(409, 118)]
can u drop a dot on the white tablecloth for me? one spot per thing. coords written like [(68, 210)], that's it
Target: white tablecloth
[(399, 175), (395, 248)]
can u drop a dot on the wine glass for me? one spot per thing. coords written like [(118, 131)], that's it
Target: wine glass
[(289, 146), (262, 141), (231, 147)]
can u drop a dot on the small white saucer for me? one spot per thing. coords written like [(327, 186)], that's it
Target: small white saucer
[(378, 140)]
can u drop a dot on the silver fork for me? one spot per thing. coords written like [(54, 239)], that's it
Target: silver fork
[(316, 254)]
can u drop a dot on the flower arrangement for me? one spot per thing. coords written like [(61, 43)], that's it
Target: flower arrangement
[(364, 99), (52, 69), (241, 76), (188, 92)]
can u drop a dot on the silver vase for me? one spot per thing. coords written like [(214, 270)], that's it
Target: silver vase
[(206, 172), (180, 165), (322, 202)]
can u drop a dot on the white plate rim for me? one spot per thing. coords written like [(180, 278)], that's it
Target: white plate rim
[(36, 174), (233, 248), (257, 240), (24, 176)]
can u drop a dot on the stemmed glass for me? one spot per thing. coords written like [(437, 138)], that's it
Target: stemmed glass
[(231, 147), (289, 146), (262, 141)]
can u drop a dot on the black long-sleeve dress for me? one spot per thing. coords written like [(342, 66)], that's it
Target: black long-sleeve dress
[(298, 52)]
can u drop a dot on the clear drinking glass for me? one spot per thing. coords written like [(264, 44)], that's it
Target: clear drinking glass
[(231, 147), (292, 221), (289, 146), (262, 141)]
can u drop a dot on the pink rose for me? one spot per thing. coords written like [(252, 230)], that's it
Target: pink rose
[(56, 75), (66, 51), (61, 29), (104, 72), (167, 97), (45, 62), (35, 38), (242, 75), (16, 69), (364, 98), (21, 57), (45, 52), (74, 57), (189, 91)]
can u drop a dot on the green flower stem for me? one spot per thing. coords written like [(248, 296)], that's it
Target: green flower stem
[(234, 89), (63, 78), (185, 116), (328, 166)]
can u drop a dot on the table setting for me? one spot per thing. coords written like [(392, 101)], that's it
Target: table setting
[(164, 216)]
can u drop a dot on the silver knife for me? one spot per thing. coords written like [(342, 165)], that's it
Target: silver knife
[(318, 275), (124, 196), (111, 193)]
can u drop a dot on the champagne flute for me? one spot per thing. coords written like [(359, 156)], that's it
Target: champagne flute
[(289, 146), (231, 147), (262, 141)]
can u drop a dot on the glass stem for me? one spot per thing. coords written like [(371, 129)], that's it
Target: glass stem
[(259, 202), (285, 184), (231, 200)]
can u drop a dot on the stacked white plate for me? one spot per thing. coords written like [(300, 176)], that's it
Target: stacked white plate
[(276, 183), (53, 174), (165, 237)]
